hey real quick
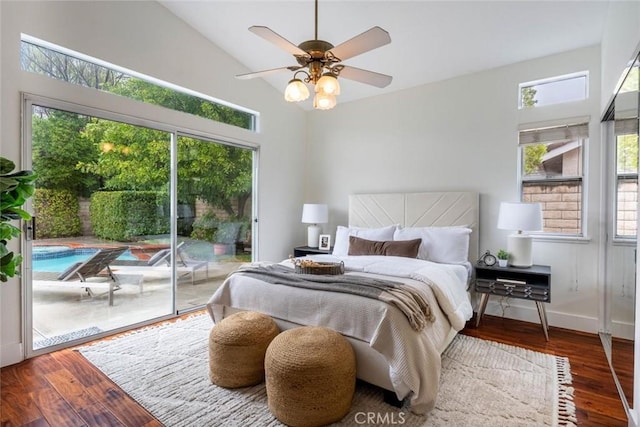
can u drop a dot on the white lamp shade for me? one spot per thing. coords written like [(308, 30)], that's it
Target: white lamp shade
[(315, 213), (520, 216)]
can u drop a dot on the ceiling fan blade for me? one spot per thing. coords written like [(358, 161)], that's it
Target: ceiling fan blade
[(370, 39), (364, 76), (271, 36), (263, 73)]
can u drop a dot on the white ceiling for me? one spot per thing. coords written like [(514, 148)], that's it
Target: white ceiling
[(430, 40)]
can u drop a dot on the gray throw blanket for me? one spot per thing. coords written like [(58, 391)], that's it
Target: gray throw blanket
[(408, 300)]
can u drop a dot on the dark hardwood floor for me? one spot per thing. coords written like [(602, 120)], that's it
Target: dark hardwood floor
[(63, 389)]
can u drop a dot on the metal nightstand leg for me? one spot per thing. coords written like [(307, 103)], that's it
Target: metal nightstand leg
[(542, 312), (483, 305)]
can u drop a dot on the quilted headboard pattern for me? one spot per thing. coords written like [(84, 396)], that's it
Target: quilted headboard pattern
[(437, 209)]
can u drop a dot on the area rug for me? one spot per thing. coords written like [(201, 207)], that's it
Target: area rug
[(483, 383)]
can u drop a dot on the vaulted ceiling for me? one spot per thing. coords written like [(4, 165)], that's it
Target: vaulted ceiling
[(430, 40)]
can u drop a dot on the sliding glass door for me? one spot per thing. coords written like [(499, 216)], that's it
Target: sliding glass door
[(101, 215), (214, 191)]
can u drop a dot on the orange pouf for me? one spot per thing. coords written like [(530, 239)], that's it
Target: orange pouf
[(237, 347), (310, 376)]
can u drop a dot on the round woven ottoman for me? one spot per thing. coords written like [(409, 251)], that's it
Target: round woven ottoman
[(310, 376), (237, 346)]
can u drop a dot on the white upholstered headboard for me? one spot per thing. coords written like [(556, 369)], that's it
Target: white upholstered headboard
[(436, 209)]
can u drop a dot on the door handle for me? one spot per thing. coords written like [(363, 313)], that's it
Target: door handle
[(31, 229)]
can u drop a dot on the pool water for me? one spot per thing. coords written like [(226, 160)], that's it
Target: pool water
[(58, 258)]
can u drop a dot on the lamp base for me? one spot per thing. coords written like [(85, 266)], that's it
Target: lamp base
[(520, 252), (313, 235)]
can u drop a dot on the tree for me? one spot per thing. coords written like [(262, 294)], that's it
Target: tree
[(528, 97), (58, 148), (627, 154), (533, 154)]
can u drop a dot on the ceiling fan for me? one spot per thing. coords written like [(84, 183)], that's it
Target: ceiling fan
[(321, 63)]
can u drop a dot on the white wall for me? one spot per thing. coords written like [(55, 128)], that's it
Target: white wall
[(462, 134), (146, 37)]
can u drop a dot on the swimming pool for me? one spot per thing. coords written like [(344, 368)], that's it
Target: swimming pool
[(59, 258)]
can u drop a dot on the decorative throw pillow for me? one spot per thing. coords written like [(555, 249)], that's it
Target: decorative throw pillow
[(341, 244), (447, 245), (404, 248)]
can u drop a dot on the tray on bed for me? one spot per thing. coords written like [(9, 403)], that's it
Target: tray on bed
[(314, 267)]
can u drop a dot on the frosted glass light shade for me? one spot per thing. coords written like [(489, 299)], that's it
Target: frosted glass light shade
[(328, 84), (296, 91), (322, 101)]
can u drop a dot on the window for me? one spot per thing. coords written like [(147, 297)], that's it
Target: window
[(555, 90), (53, 61), (551, 168), (626, 208)]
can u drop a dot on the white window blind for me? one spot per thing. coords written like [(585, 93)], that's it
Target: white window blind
[(626, 127), (554, 134)]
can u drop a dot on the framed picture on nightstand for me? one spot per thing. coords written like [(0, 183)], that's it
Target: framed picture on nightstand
[(324, 244)]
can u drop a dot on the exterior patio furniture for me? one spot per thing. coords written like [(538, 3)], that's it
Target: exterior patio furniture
[(93, 267), (163, 257)]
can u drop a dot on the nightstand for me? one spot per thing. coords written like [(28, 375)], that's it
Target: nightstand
[(533, 283), (299, 251)]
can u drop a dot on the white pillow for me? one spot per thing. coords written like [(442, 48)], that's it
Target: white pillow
[(447, 245), (341, 244)]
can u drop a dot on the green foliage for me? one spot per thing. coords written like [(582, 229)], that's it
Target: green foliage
[(57, 212), (627, 154), (129, 215), (58, 147), (533, 154), (528, 97), (15, 189), (204, 228), (502, 254)]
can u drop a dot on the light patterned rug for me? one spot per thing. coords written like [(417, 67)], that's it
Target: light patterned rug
[(483, 383)]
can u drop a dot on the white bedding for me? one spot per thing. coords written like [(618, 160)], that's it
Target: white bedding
[(413, 357)]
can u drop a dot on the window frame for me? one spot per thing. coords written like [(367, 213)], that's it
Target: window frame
[(28, 39), (582, 235), (570, 76)]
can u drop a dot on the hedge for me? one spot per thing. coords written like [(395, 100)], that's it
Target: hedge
[(129, 215), (57, 214)]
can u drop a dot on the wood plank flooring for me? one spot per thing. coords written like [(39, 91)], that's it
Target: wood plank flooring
[(63, 389)]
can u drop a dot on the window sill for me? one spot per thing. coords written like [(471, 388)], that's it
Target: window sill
[(561, 239), (624, 242)]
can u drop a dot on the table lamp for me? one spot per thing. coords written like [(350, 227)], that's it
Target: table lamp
[(520, 217), (314, 214)]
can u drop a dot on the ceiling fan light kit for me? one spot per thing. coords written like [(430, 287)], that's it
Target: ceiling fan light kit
[(296, 91), (319, 61)]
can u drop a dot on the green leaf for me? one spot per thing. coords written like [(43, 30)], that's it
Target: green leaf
[(6, 166)]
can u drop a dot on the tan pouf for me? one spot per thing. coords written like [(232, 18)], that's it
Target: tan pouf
[(237, 346), (310, 375)]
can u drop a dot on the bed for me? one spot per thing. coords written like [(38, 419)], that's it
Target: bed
[(390, 351)]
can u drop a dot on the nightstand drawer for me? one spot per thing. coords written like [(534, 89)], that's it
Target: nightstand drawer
[(513, 288)]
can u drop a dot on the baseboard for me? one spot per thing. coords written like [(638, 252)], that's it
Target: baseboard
[(530, 314), (623, 330), (11, 354)]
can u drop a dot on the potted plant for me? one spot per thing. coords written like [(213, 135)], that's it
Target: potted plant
[(226, 236), (503, 258), (205, 227), (15, 189)]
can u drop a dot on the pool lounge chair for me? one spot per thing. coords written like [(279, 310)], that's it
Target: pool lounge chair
[(163, 257), (95, 266)]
